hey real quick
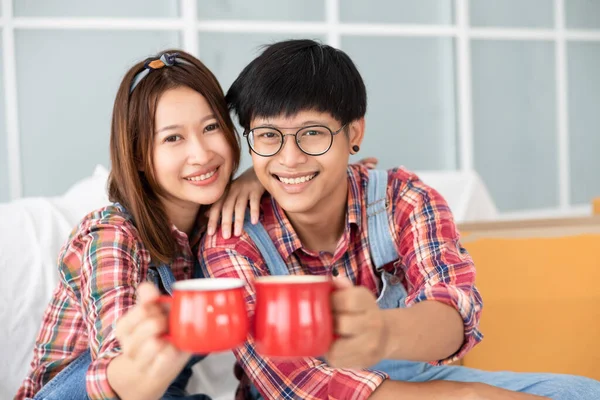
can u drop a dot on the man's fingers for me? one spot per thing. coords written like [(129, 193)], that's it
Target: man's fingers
[(347, 325), (352, 300), (343, 353), (342, 282)]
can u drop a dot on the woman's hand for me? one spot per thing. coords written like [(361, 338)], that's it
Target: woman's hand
[(369, 162), (149, 362), (243, 190)]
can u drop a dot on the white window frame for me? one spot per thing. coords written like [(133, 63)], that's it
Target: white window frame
[(189, 26)]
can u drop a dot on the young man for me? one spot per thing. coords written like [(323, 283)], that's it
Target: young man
[(401, 309)]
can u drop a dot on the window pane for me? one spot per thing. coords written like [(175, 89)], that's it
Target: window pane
[(4, 188), (226, 54), (582, 14), (276, 10), (397, 11), (514, 122), (512, 13), (411, 116), (104, 8), (584, 120), (65, 102)]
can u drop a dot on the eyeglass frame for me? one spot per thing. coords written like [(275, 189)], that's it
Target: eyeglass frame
[(247, 132)]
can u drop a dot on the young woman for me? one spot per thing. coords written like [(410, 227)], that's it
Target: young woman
[(173, 151)]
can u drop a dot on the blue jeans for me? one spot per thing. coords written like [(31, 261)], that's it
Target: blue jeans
[(69, 384), (555, 386)]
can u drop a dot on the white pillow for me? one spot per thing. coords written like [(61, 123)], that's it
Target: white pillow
[(32, 231)]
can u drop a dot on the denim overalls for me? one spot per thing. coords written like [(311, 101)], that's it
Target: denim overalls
[(69, 384), (393, 295)]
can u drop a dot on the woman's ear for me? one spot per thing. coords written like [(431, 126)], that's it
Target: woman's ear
[(356, 132)]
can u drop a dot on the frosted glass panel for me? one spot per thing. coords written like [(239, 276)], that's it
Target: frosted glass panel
[(65, 102), (513, 13), (514, 122), (397, 11), (582, 14), (276, 10), (4, 189), (226, 54), (411, 117), (104, 8), (584, 120)]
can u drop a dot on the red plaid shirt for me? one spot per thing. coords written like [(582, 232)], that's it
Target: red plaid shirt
[(434, 267), (100, 268)]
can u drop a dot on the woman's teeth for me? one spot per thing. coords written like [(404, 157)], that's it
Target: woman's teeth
[(297, 180), (202, 177)]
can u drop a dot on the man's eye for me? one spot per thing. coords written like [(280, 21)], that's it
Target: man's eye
[(212, 127), (312, 133)]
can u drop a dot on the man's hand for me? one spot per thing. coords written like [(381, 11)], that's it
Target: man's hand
[(360, 325)]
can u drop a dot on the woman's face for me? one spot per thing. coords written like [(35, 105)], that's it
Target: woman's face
[(192, 159)]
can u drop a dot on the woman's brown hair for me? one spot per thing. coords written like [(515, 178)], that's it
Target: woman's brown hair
[(132, 182)]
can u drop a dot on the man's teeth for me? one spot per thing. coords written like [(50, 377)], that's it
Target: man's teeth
[(295, 181), (202, 177)]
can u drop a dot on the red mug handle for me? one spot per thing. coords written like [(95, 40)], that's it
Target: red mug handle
[(168, 300)]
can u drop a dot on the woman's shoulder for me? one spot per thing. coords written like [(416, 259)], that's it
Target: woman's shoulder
[(111, 225), (113, 215)]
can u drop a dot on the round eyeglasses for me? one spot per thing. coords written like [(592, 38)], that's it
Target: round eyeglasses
[(313, 140)]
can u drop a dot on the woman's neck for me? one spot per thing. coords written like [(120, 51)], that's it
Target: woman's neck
[(183, 216)]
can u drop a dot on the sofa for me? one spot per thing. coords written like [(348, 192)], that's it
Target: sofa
[(539, 282)]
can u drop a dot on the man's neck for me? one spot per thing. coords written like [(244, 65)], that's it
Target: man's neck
[(321, 229)]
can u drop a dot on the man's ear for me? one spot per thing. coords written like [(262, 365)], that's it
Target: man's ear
[(356, 133)]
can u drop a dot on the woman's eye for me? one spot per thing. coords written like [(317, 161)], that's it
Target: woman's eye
[(212, 127), (172, 138)]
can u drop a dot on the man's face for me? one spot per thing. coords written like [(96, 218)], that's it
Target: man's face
[(302, 183)]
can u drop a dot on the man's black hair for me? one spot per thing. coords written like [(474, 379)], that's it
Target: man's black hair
[(297, 75)]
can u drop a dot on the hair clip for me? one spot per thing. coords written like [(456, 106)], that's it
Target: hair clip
[(152, 64)]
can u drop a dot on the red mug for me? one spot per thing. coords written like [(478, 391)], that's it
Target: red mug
[(293, 315), (207, 315)]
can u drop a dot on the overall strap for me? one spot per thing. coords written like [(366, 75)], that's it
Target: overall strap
[(167, 279), (267, 249), (381, 243)]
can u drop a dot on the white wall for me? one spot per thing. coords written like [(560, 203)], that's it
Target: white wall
[(507, 88)]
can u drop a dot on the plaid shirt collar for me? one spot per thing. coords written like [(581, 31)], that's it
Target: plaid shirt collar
[(287, 241)]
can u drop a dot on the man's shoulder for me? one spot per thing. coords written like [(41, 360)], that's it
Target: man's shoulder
[(399, 179), (242, 245)]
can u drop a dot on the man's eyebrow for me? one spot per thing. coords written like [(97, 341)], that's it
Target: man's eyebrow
[(303, 124)]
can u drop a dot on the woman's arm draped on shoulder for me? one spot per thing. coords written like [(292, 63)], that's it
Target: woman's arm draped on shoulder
[(245, 190)]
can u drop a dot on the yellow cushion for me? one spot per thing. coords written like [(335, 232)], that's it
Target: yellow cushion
[(540, 283), (596, 206)]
